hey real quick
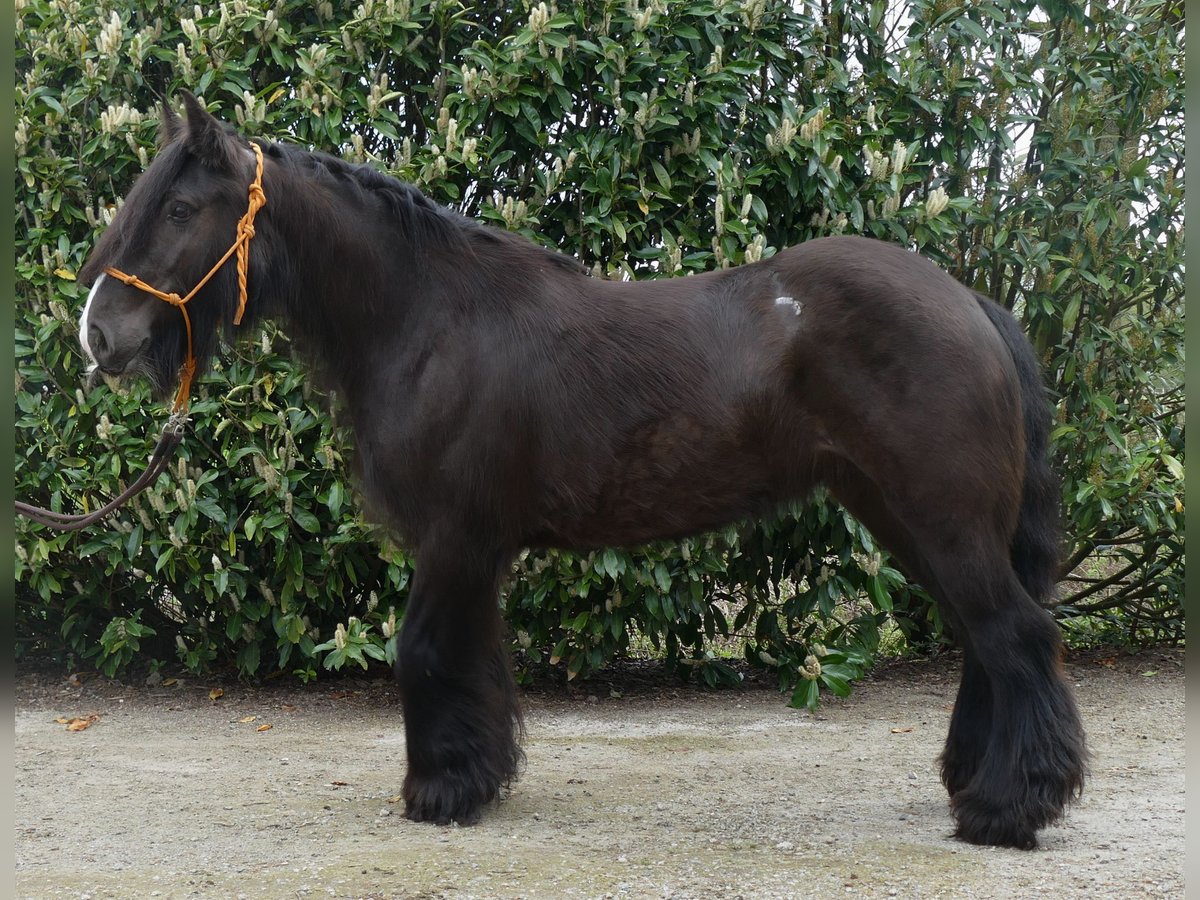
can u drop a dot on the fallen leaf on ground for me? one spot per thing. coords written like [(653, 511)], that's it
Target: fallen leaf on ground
[(340, 783), (395, 799), (264, 727), (167, 682), (287, 707), (902, 730), (245, 719), (215, 694), (79, 722)]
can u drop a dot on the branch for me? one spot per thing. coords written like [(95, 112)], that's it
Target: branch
[(1111, 580)]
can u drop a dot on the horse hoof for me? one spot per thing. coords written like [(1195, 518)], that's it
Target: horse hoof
[(993, 832), (995, 824), (435, 815), (445, 799)]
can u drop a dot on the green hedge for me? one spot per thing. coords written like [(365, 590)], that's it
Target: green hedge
[(1032, 151)]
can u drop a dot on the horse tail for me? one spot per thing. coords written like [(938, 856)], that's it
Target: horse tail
[(1036, 546)]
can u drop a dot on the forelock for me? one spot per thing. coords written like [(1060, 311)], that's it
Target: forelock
[(135, 220)]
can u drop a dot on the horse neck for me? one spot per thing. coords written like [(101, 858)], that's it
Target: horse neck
[(344, 276)]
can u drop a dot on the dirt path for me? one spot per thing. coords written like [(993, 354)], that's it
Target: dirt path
[(660, 792)]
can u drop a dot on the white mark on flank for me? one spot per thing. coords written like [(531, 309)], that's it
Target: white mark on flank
[(83, 323), (795, 304)]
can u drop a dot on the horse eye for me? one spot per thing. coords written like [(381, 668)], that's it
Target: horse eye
[(179, 211)]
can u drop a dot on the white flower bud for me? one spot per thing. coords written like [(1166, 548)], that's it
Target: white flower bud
[(811, 670), (938, 200), (813, 126), (754, 251), (108, 42)]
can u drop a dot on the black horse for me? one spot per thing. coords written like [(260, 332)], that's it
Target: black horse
[(501, 398)]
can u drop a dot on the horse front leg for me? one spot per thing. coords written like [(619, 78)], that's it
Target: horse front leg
[(462, 719)]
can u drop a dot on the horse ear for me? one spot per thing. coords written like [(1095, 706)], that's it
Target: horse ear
[(207, 138), (170, 126)]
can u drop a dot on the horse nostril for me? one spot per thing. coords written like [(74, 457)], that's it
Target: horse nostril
[(97, 342)]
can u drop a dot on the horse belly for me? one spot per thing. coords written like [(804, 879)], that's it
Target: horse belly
[(672, 478)]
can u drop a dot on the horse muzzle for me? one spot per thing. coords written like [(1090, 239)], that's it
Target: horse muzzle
[(114, 362)]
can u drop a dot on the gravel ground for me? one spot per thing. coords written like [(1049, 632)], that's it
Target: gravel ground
[(635, 786)]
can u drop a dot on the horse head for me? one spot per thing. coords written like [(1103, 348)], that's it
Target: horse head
[(178, 220)]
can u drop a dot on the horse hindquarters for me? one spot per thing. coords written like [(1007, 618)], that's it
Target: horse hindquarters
[(462, 718)]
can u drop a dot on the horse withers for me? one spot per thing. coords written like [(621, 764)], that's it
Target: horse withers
[(501, 399)]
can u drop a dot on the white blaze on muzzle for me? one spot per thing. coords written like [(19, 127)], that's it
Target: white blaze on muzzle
[(83, 324)]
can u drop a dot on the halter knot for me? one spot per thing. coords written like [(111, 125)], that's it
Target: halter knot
[(240, 247)]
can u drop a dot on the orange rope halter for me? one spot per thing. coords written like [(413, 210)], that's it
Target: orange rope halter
[(241, 246)]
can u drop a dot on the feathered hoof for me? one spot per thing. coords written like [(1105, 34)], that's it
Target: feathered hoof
[(446, 799)]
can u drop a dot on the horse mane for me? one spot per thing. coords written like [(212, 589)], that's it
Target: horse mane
[(423, 220)]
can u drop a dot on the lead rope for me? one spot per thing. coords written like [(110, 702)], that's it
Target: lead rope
[(173, 431), (172, 437)]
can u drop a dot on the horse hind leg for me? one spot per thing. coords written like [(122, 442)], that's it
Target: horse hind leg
[(1032, 764), (970, 724), (971, 721), (1014, 754)]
